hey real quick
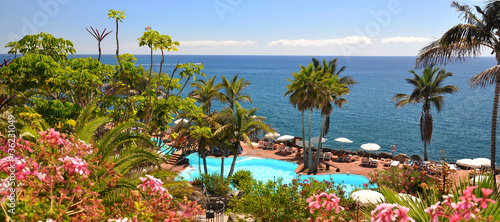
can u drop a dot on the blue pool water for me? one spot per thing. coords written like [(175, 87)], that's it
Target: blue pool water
[(265, 169)]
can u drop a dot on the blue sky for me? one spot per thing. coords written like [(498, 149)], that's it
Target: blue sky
[(241, 27)]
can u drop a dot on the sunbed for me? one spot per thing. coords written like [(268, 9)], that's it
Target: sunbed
[(365, 161), (394, 163)]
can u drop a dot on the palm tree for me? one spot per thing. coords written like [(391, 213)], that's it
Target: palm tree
[(427, 90), (233, 91), (334, 87), (467, 40), (240, 127), (204, 92), (304, 94)]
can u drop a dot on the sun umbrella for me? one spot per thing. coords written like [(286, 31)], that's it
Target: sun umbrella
[(343, 140), (285, 138), (483, 161), (181, 120), (272, 135), (301, 143), (316, 140), (370, 147), (365, 197), (469, 163)]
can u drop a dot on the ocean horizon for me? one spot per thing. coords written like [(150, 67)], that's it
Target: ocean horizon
[(461, 129)]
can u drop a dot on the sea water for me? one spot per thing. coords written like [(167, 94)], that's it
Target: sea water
[(461, 129)]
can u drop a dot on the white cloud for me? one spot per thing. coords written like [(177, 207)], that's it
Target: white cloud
[(323, 42), (211, 43), (408, 39)]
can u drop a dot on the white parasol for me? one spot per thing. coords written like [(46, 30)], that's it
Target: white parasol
[(343, 140), (285, 138), (485, 162), (272, 135), (469, 163), (370, 147), (316, 140)]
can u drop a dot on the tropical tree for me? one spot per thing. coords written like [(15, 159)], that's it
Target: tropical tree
[(232, 91), (205, 92), (99, 37), (333, 87), (118, 16), (468, 40), (304, 93), (240, 126), (428, 90)]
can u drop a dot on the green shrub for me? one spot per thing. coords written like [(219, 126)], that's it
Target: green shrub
[(214, 184), (275, 201), (403, 180), (240, 177)]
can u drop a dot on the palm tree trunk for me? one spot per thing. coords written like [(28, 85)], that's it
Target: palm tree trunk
[(494, 116), (148, 97), (320, 144), (118, 47), (221, 164), (204, 156), (306, 164), (233, 164), (309, 145)]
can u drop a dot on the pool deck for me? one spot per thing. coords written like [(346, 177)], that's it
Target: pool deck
[(354, 167)]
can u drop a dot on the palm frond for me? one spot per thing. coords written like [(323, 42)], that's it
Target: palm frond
[(486, 78)]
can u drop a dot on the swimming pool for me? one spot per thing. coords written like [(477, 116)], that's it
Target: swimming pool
[(265, 169)]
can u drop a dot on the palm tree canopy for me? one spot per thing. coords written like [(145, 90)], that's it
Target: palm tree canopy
[(233, 90), (205, 92), (427, 89), (465, 40)]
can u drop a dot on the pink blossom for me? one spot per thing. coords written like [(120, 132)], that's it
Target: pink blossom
[(386, 212), (434, 211), (484, 201), (75, 165), (313, 204), (152, 183), (52, 137)]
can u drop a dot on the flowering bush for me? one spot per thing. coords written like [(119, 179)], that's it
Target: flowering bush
[(467, 208), (51, 180), (58, 179), (404, 180), (275, 201)]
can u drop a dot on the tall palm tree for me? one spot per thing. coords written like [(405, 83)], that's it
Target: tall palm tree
[(204, 92), (240, 127), (427, 90), (304, 93), (334, 87), (467, 40), (233, 91)]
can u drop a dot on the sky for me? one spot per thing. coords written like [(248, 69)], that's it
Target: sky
[(240, 27)]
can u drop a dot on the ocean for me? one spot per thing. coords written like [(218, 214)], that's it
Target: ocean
[(461, 129)]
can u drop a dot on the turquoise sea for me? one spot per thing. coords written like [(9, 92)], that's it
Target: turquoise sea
[(461, 129)]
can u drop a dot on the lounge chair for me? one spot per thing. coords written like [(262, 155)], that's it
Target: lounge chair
[(268, 146), (386, 162), (394, 163), (348, 158), (373, 163), (281, 148), (327, 156), (365, 161), (341, 157)]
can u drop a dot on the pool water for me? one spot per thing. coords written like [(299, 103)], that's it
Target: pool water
[(265, 169)]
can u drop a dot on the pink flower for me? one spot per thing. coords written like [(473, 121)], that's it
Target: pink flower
[(154, 184), (75, 165), (331, 202), (386, 212), (313, 204), (484, 201), (434, 211)]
